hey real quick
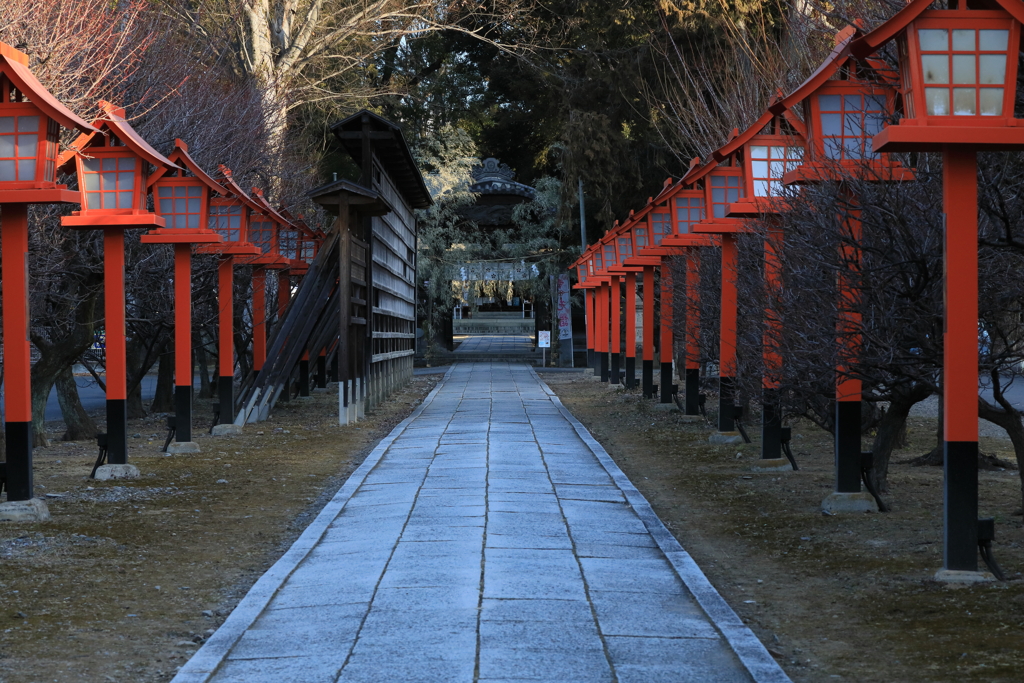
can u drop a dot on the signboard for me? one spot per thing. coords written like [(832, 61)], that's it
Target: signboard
[(564, 308), (544, 339)]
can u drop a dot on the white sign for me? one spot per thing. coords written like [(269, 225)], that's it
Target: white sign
[(544, 339)]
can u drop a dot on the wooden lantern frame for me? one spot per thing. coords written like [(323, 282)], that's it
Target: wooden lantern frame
[(920, 131)]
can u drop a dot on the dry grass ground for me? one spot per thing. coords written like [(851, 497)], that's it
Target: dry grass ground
[(129, 578), (834, 598)]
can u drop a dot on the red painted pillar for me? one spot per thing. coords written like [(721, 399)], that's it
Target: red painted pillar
[(848, 389), (960, 359), (615, 300), (692, 372), (259, 318), (771, 415), (601, 323), (590, 302), (667, 342), (17, 373), (630, 330), (116, 348), (647, 378), (225, 343), (727, 335), (183, 342)]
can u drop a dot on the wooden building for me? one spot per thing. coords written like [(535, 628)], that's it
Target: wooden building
[(375, 227)]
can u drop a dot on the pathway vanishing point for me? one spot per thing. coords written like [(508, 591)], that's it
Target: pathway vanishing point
[(488, 538)]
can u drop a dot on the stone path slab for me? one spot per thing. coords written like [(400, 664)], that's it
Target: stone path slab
[(496, 344), (488, 538)]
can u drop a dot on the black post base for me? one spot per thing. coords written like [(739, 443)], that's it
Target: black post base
[(19, 460), (960, 509), (614, 377), (726, 419), (771, 425), (303, 378), (321, 372), (666, 383), (183, 414), (335, 376), (691, 390), (226, 393), (592, 359), (630, 372), (647, 378), (603, 360), (117, 431), (848, 447)]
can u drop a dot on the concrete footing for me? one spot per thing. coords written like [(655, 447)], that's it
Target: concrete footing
[(771, 465), (178, 447), (962, 577), (725, 438), (108, 472), (34, 510), (837, 503), (666, 407), (227, 430)]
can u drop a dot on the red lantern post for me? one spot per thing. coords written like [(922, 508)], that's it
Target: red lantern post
[(185, 203), (843, 109), (958, 76), (112, 168), (769, 149), (227, 215), (723, 183), (263, 234), (30, 123), (266, 231)]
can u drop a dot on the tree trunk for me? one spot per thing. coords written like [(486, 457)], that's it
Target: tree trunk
[(134, 359), (205, 388), (1009, 418), (143, 352), (80, 427), (890, 428), (163, 400)]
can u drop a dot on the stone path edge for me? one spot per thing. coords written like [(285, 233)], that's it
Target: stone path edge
[(748, 648), (204, 663)]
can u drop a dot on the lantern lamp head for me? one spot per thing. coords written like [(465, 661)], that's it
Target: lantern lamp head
[(113, 166), (30, 123), (957, 74)]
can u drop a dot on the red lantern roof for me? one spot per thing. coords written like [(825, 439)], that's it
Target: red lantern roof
[(14, 65), (268, 239), (112, 177), (843, 109), (30, 122)]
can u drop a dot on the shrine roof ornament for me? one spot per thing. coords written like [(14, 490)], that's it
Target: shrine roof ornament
[(494, 177)]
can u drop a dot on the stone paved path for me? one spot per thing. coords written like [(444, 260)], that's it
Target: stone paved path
[(488, 538), (496, 343)]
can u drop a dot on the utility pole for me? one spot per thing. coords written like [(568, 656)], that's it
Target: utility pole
[(583, 217), (583, 241)]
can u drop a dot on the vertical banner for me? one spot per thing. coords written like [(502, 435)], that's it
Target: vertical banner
[(564, 312)]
